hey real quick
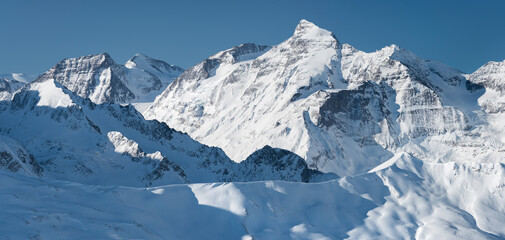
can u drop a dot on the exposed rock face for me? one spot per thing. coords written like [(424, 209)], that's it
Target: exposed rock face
[(278, 164), (101, 79), (71, 138), (422, 143), (491, 76), (341, 109), (207, 68), (96, 77), (14, 158)]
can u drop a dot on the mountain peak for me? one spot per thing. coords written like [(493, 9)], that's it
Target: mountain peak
[(396, 52), (241, 52), (309, 30), (304, 24), (93, 58), (495, 63), (140, 56), (104, 56), (151, 64), (490, 74)]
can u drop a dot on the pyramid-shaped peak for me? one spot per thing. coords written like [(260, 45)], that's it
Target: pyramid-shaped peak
[(309, 30), (150, 64), (140, 56), (304, 24), (492, 71)]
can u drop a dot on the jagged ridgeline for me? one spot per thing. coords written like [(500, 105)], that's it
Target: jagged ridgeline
[(101, 79), (47, 130), (418, 145), (343, 110)]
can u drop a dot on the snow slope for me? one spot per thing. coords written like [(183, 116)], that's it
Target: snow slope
[(407, 199), (14, 158), (341, 109), (20, 77), (8, 87), (420, 146), (74, 139), (148, 77)]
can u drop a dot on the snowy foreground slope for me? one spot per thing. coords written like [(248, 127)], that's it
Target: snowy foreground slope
[(404, 199), (341, 109)]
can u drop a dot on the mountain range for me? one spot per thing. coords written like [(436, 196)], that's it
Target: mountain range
[(343, 110), (308, 139)]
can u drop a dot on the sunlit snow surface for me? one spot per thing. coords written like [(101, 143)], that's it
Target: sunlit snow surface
[(404, 200), (423, 161), (343, 110)]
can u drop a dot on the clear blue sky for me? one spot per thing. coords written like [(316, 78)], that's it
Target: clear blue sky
[(35, 35)]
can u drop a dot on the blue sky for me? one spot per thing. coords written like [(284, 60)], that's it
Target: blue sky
[(35, 35)]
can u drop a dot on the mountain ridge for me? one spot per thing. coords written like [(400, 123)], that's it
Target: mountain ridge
[(343, 110), (101, 79), (418, 146), (100, 143)]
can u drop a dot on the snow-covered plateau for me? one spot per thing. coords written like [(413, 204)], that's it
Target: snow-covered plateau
[(308, 139)]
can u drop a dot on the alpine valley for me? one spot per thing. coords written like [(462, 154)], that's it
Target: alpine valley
[(308, 139)]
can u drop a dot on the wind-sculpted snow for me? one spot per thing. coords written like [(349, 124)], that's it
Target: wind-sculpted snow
[(405, 198), (101, 79), (341, 109), (74, 139)]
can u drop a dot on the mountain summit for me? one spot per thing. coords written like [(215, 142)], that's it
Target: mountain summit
[(308, 30), (341, 109), (99, 78), (419, 146)]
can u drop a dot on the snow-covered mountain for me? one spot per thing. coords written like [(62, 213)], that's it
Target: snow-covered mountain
[(8, 87), (74, 139), (165, 72), (419, 146), (20, 77), (341, 109), (101, 79), (492, 77), (10, 83)]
